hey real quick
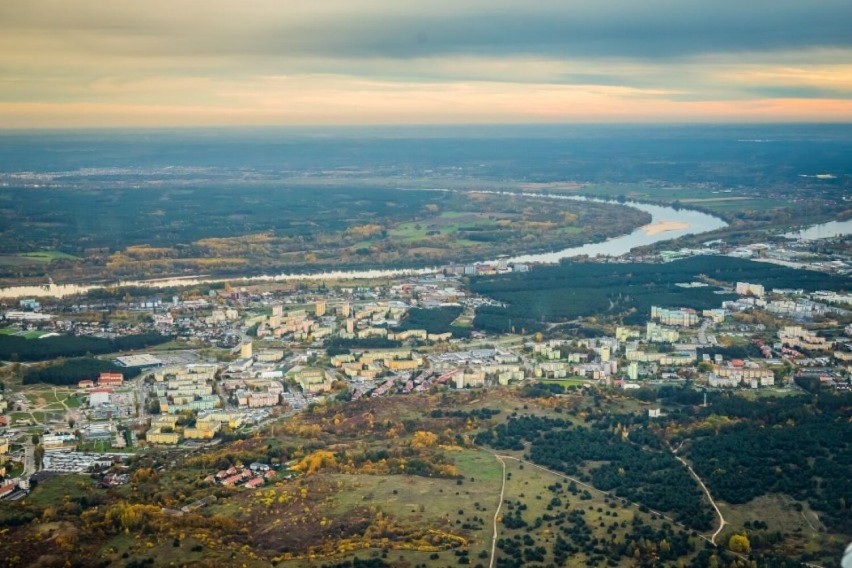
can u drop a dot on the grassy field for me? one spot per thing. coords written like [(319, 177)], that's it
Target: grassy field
[(34, 334), (543, 495), (15, 416), (425, 502), (354, 506), (448, 222), (801, 524), (47, 396), (56, 489), (48, 256)]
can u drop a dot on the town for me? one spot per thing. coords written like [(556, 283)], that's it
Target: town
[(239, 357)]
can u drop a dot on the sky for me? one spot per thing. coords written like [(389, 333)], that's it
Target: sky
[(160, 63)]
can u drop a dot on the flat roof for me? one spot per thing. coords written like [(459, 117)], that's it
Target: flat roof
[(143, 360)]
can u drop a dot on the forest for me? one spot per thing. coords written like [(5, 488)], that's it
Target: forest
[(169, 231), (13, 348), (625, 292), (337, 345), (71, 371), (798, 446), (434, 320)]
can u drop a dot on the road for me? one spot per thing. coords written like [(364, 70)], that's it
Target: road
[(29, 460)]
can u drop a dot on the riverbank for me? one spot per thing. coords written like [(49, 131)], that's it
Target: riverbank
[(666, 223)]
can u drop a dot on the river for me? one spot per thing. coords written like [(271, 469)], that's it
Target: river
[(823, 231), (666, 223)]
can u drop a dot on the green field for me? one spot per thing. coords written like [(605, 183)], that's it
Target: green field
[(58, 489), (34, 334), (15, 416), (48, 256), (448, 222), (72, 402)]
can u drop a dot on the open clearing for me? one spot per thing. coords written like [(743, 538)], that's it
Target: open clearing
[(48, 255)]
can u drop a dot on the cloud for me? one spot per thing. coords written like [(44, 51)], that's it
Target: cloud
[(410, 29), (618, 55)]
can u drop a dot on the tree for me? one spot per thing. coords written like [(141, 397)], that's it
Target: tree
[(739, 543), (423, 439), (38, 455)]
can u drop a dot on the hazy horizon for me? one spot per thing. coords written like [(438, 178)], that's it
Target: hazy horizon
[(368, 62)]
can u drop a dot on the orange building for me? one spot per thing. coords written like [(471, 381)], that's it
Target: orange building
[(111, 380)]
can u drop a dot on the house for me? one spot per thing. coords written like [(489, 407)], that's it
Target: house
[(232, 480), (254, 483)]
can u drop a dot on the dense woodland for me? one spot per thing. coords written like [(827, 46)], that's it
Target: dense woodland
[(434, 320), (798, 446), (71, 371), (13, 348), (626, 292), (337, 345), (258, 228)]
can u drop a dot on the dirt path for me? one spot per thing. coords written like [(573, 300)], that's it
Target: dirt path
[(722, 521), (497, 512), (593, 488)]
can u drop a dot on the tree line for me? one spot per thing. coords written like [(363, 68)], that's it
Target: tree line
[(72, 371), (13, 348)]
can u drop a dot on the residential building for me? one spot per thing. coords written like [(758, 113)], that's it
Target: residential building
[(111, 380), (746, 289)]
